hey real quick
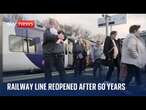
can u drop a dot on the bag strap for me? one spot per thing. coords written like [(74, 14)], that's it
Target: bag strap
[(110, 50)]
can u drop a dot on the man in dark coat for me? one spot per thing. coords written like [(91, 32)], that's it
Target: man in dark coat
[(53, 51), (112, 52)]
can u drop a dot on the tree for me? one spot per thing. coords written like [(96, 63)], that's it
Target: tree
[(86, 33), (39, 23), (72, 30), (99, 37)]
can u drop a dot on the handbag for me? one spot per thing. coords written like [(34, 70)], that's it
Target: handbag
[(80, 56)]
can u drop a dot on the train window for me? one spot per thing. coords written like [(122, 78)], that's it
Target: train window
[(19, 44), (15, 43)]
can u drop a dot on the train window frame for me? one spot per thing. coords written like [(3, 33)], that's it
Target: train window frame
[(35, 48), (27, 50), (10, 46)]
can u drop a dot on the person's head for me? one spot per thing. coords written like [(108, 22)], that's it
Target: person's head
[(134, 29), (61, 32), (52, 23), (113, 34), (57, 25), (98, 43)]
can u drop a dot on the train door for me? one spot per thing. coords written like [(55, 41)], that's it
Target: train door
[(66, 53), (32, 47), (70, 54)]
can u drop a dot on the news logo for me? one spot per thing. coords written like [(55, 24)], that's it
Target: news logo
[(25, 23)]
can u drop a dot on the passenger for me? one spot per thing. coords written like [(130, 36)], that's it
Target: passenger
[(79, 54), (133, 55), (97, 56), (85, 56), (112, 52), (53, 51)]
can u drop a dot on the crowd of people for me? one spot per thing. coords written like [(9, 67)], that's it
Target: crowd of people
[(128, 55)]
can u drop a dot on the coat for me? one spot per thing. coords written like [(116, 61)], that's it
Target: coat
[(49, 43), (108, 48), (96, 53), (133, 51)]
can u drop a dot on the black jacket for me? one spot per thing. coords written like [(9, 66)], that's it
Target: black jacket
[(49, 43), (108, 48)]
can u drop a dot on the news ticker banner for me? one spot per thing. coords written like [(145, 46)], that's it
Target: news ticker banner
[(65, 89)]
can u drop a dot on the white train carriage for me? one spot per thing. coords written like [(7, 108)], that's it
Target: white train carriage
[(22, 48)]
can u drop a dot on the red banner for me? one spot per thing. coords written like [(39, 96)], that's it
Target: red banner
[(25, 24)]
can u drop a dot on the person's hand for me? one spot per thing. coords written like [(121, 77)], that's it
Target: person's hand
[(59, 41), (61, 36)]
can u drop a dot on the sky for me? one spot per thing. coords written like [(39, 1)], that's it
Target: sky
[(90, 21)]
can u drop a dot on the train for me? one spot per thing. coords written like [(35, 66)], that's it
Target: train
[(22, 49)]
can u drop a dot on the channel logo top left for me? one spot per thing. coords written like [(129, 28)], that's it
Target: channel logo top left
[(25, 24)]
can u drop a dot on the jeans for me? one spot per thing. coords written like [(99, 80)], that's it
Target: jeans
[(111, 69), (97, 64), (79, 66)]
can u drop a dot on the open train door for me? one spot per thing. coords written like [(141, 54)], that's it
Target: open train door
[(1, 55), (68, 56)]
